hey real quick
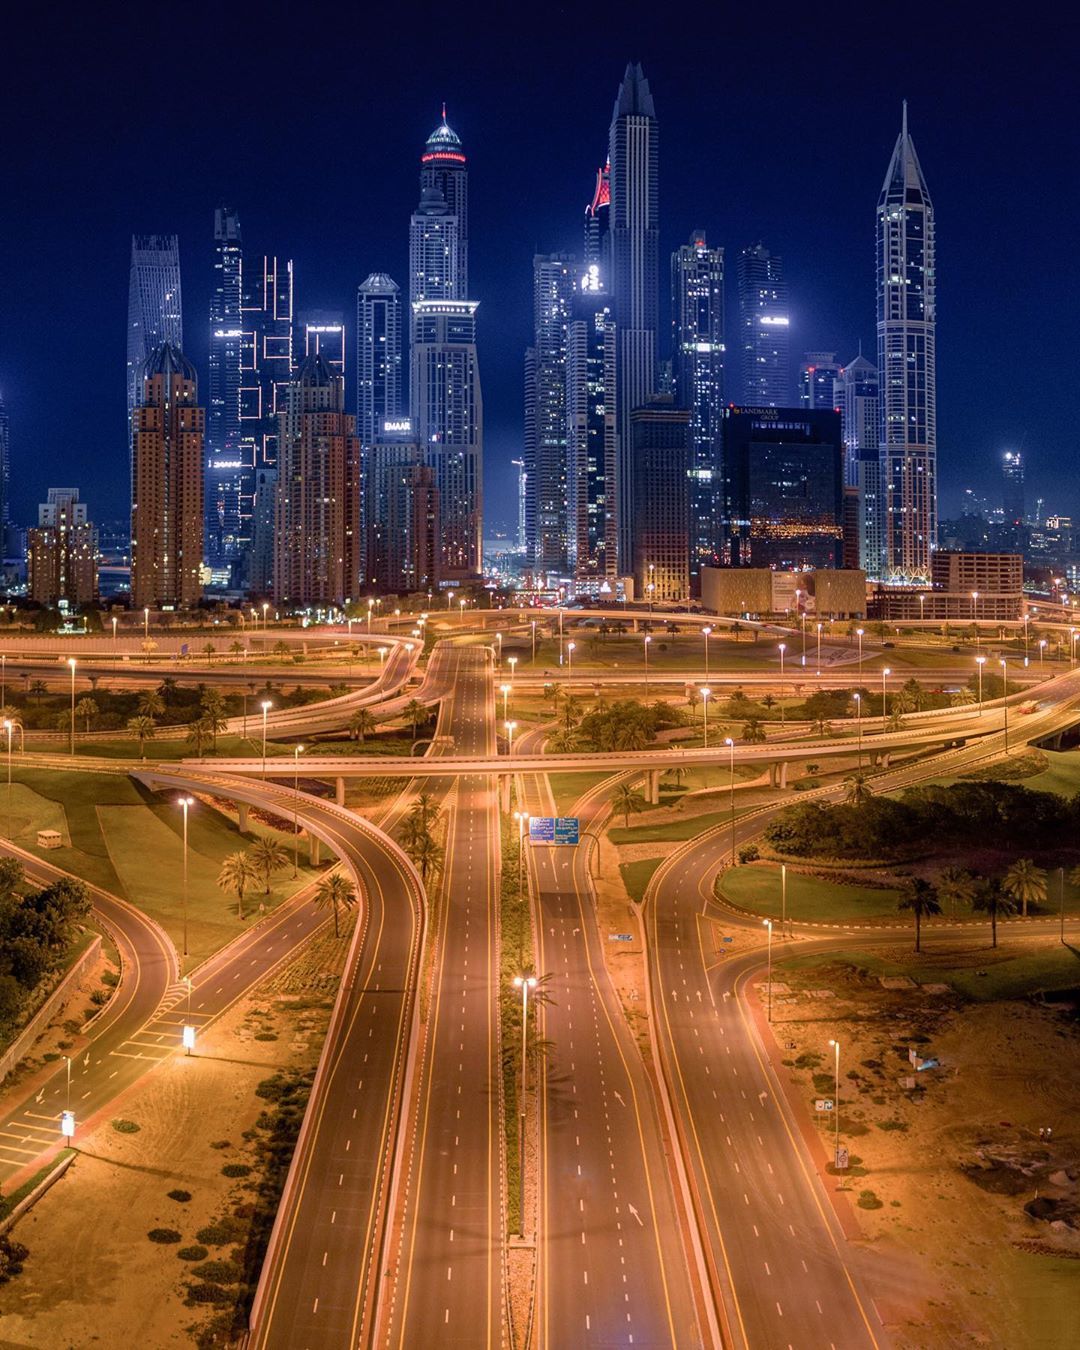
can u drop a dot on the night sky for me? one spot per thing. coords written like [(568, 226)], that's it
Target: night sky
[(310, 121)]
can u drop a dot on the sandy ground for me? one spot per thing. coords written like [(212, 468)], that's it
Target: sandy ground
[(93, 1277), (994, 1276)]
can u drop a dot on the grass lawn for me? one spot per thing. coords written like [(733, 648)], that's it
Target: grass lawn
[(1013, 970), (130, 841), (567, 788), (637, 875), (1045, 1287), (809, 899), (674, 831), (1061, 775), (228, 747)]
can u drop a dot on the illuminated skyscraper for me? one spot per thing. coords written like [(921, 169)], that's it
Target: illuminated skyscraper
[(443, 168), (5, 472), (906, 331), (856, 395), (817, 375), (321, 332), (225, 488), (62, 553), (591, 445), (378, 355), (697, 320), (1012, 499), (764, 329), (545, 416), (154, 307), (661, 443), (167, 484), (597, 226), (634, 156)]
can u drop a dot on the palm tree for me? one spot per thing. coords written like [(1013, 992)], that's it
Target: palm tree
[(236, 875), (921, 899), (151, 704), (415, 712), (237, 647), (87, 709), (956, 887), (267, 856), (425, 853), (362, 724), (199, 735), (753, 733), (858, 791), (822, 726), (564, 743), (426, 808), (281, 648), (963, 696), (631, 735), (991, 899), (213, 712), (1025, 883), (896, 720), (37, 689), (208, 651), (335, 892), (627, 801), (144, 728), (167, 689)]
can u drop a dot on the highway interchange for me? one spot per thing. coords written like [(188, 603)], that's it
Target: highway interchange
[(693, 1215)]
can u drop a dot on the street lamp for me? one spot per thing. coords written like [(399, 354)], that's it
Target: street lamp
[(114, 634), (1042, 649), (885, 671), (836, 1104), (522, 818), (975, 612), (1072, 646), (783, 649), (266, 705), (504, 689), (922, 607), (705, 633), (370, 609), (819, 649), (511, 661), (298, 750), (146, 622), (859, 633), (524, 983), (185, 802), (265, 607), (731, 769), (71, 667), (187, 1032), (705, 692), (980, 661), (532, 624), (511, 727), (498, 638), (768, 925), (9, 727), (783, 900), (858, 716), (569, 664), (1005, 699), (648, 639)]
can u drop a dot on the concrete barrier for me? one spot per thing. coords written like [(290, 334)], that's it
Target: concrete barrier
[(52, 1007)]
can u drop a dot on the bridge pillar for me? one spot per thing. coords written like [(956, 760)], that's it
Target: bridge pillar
[(778, 775), (339, 791), (242, 814), (314, 850), (652, 787), (782, 776)]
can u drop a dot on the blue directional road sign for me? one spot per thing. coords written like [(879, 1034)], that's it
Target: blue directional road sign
[(566, 830), (554, 830)]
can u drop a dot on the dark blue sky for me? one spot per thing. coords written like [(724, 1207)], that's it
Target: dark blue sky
[(311, 120)]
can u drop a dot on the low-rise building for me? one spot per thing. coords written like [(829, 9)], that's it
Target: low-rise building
[(62, 552)]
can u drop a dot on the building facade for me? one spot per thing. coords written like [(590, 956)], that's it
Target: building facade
[(662, 454), (444, 169), (5, 471), (554, 283), (155, 311), (764, 329), (167, 485), (378, 355), (225, 486), (817, 376), (321, 332), (62, 552), (591, 442), (855, 394), (634, 156), (402, 513), (597, 252), (317, 522), (907, 364), (697, 320)]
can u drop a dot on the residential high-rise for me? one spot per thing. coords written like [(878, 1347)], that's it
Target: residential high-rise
[(634, 156), (62, 553), (167, 484), (906, 332), (263, 522), (661, 437), (225, 486), (597, 226), (443, 168), (591, 444), (154, 307), (764, 328), (554, 278), (855, 394), (1012, 487), (402, 513), (321, 332), (817, 375), (522, 491), (697, 321), (447, 414), (378, 355), (434, 253), (317, 523), (783, 484), (5, 472)]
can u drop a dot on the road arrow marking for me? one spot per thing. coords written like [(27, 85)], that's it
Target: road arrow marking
[(636, 1215)]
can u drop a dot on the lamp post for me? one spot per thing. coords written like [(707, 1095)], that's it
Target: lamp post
[(836, 1103), (1025, 635), (858, 718), (975, 613), (3, 677), (298, 750), (187, 1033), (498, 639), (266, 705), (783, 900), (648, 639), (922, 607), (768, 925), (511, 727), (522, 818), (885, 671), (1042, 649), (504, 689), (511, 661), (1072, 646), (569, 664), (1005, 698), (146, 622), (819, 649), (783, 649), (370, 610), (532, 625), (9, 728), (859, 634), (705, 633), (980, 661), (114, 634), (705, 692), (731, 768), (71, 667), (524, 983), (185, 802), (265, 607)]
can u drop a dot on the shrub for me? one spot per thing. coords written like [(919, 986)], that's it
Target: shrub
[(193, 1253), (271, 1089), (236, 1170), (125, 1127), (208, 1293), (219, 1272), (12, 1256), (100, 997), (226, 1229), (163, 1235), (182, 1197), (868, 1200), (751, 853), (221, 1143), (111, 978), (266, 1035)]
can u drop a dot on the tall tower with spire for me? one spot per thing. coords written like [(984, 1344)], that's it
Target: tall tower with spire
[(443, 167), (634, 156), (906, 332)]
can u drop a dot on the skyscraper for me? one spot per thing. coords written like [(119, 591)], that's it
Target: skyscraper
[(545, 397), (764, 328), (401, 511), (154, 307), (906, 332), (597, 226), (62, 553), (1012, 499), (321, 332), (697, 321), (661, 444), (167, 484), (817, 375), (634, 156), (447, 414), (443, 167), (591, 445), (317, 524), (378, 355), (855, 394), (5, 472), (225, 487), (522, 491)]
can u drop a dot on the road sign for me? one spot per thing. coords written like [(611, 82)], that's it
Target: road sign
[(67, 1124), (620, 937), (823, 1104), (554, 830), (841, 1159)]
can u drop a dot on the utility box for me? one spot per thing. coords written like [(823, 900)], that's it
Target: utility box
[(50, 839)]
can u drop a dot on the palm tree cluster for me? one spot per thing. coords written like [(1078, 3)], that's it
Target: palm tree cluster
[(244, 869), (418, 835), (1023, 884)]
